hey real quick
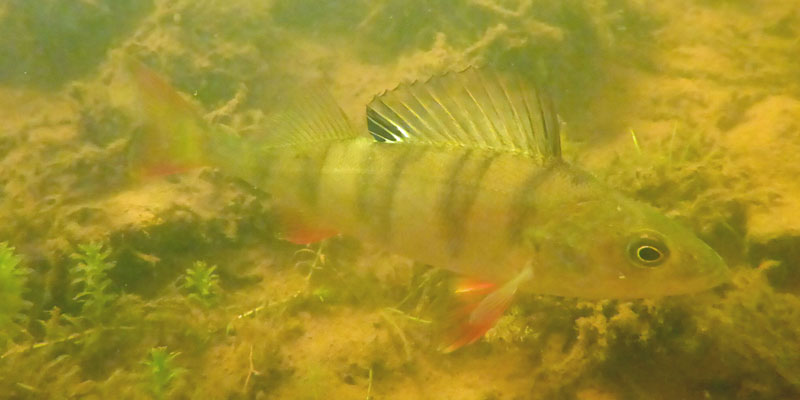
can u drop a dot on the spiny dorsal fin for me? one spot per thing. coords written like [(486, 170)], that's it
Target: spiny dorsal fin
[(472, 108), (310, 117)]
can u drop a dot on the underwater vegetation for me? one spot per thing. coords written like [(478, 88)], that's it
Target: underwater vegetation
[(49, 43), (161, 371), (13, 278), (102, 295), (91, 280), (202, 283)]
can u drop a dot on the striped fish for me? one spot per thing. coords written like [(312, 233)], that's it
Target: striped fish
[(463, 172)]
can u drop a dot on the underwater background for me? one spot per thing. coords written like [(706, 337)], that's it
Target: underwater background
[(180, 288)]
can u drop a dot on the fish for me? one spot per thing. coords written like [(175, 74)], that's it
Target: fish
[(462, 171)]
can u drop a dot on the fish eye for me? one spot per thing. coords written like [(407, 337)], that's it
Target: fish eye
[(648, 250)]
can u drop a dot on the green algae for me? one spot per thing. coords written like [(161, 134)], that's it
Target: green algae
[(342, 320)]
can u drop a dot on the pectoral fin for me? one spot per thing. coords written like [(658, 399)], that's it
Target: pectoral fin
[(473, 322)]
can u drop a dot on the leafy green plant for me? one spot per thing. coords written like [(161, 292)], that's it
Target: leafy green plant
[(12, 284), (161, 371), (91, 279), (202, 283)]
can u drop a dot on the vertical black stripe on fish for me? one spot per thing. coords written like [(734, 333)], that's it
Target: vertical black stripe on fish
[(264, 170), (464, 184), (407, 156), (261, 173), (311, 173), (521, 207), (365, 182)]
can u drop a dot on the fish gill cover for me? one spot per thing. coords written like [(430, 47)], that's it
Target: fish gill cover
[(689, 106)]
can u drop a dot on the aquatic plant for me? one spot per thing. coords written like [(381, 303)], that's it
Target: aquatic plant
[(91, 279), (202, 283), (311, 259), (12, 284), (161, 371)]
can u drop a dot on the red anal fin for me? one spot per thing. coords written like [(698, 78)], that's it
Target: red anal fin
[(303, 235), (163, 169), (475, 319), (298, 231)]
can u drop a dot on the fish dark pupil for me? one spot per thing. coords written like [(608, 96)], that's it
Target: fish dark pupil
[(648, 250), (648, 254)]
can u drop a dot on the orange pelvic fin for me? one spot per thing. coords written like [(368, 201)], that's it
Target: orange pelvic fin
[(472, 322), (474, 286), (298, 230)]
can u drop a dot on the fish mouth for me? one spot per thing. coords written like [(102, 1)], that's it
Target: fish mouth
[(692, 284)]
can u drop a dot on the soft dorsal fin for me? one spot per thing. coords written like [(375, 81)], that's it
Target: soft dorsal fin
[(312, 116), (472, 108)]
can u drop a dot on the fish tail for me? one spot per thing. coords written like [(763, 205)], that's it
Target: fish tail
[(173, 137)]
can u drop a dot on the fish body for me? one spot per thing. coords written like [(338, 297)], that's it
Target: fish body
[(462, 172), (488, 215)]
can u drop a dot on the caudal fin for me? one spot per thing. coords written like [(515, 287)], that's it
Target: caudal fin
[(173, 137)]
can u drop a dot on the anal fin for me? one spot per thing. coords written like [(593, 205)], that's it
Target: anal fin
[(299, 230), (303, 235), (477, 318)]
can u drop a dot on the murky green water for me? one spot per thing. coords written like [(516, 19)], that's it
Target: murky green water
[(181, 287)]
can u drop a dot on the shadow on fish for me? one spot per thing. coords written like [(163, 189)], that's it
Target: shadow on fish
[(463, 171)]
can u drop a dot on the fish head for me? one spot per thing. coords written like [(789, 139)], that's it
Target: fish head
[(609, 246)]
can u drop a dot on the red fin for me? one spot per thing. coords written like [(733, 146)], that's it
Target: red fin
[(303, 235), (469, 285), (475, 319), (164, 169), (298, 231)]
